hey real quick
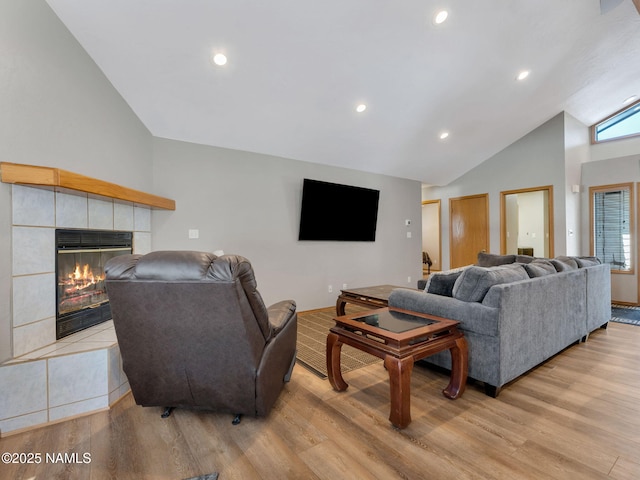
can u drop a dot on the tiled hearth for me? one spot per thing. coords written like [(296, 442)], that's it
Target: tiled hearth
[(51, 380)]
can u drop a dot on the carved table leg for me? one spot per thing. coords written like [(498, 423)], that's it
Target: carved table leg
[(400, 386), (340, 304), (459, 365), (334, 347)]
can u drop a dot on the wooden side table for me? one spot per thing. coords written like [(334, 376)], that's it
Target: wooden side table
[(400, 338), (372, 297)]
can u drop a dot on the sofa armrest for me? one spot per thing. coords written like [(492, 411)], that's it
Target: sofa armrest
[(538, 318), (278, 356), (598, 296), (280, 314), (473, 316)]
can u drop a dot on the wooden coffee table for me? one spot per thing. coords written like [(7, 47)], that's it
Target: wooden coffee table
[(400, 338), (372, 297)]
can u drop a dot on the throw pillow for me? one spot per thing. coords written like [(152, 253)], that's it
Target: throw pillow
[(427, 284), (475, 282), (442, 284)]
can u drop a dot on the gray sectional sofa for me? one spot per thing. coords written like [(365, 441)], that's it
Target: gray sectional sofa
[(515, 311)]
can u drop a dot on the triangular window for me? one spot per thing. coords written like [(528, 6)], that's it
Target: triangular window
[(625, 123)]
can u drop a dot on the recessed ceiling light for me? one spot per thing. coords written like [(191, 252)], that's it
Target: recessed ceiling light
[(440, 17), (630, 99), (361, 108), (444, 135), (523, 74), (219, 59)]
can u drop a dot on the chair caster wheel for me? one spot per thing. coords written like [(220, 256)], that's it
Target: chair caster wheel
[(167, 412)]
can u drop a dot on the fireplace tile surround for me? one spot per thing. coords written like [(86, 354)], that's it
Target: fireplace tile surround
[(51, 380)]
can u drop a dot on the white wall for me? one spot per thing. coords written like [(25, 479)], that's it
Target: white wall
[(5, 274), (249, 204), (577, 152), (609, 163), (614, 149), (537, 159), (613, 162), (557, 153), (624, 286), (56, 106), (512, 219), (57, 109)]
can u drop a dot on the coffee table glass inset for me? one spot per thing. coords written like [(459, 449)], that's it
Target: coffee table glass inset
[(394, 321), (400, 338)]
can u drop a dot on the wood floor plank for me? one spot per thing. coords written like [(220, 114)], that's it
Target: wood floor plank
[(625, 469), (575, 416), (329, 461)]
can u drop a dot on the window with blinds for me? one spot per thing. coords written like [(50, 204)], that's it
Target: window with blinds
[(612, 229)]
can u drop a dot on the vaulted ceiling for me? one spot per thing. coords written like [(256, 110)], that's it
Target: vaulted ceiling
[(296, 70)]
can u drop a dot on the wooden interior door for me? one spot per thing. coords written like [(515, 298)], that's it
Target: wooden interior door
[(468, 229)]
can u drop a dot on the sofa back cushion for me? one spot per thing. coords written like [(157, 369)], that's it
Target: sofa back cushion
[(539, 268), (524, 258), (587, 261), (474, 283), (564, 263), (493, 260)]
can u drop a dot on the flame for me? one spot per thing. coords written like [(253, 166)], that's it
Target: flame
[(83, 277)]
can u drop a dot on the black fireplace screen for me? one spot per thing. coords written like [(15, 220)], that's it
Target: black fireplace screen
[(81, 295)]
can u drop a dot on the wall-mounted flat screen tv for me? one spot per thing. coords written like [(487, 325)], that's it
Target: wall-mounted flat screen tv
[(331, 211)]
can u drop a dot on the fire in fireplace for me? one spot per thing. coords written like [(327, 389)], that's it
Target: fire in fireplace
[(81, 296)]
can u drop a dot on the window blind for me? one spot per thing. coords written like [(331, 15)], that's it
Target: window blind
[(612, 235)]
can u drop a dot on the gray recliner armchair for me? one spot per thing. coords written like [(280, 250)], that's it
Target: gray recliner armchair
[(194, 332)]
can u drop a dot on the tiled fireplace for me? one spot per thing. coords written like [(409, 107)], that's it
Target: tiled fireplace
[(81, 294), (51, 379)]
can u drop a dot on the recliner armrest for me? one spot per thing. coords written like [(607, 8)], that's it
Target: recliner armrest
[(280, 314)]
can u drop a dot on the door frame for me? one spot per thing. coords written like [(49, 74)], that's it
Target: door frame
[(503, 215)]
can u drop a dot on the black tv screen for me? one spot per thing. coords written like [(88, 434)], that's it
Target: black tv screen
[(331, 211)]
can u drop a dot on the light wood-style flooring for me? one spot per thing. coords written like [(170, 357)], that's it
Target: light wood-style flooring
[(575, 417)]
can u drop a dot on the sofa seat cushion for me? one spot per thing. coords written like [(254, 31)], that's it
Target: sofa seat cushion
[(474, 283), (473, 317)]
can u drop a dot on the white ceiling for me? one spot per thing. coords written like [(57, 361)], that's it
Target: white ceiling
[(296, 70)]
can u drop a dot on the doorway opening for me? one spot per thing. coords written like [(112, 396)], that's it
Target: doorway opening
[(431, 237), (526, 222)]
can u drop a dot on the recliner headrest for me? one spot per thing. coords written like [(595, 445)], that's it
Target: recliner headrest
[(174, 265)]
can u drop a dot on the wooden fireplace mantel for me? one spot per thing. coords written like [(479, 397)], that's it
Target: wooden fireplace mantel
[(56, 177)]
